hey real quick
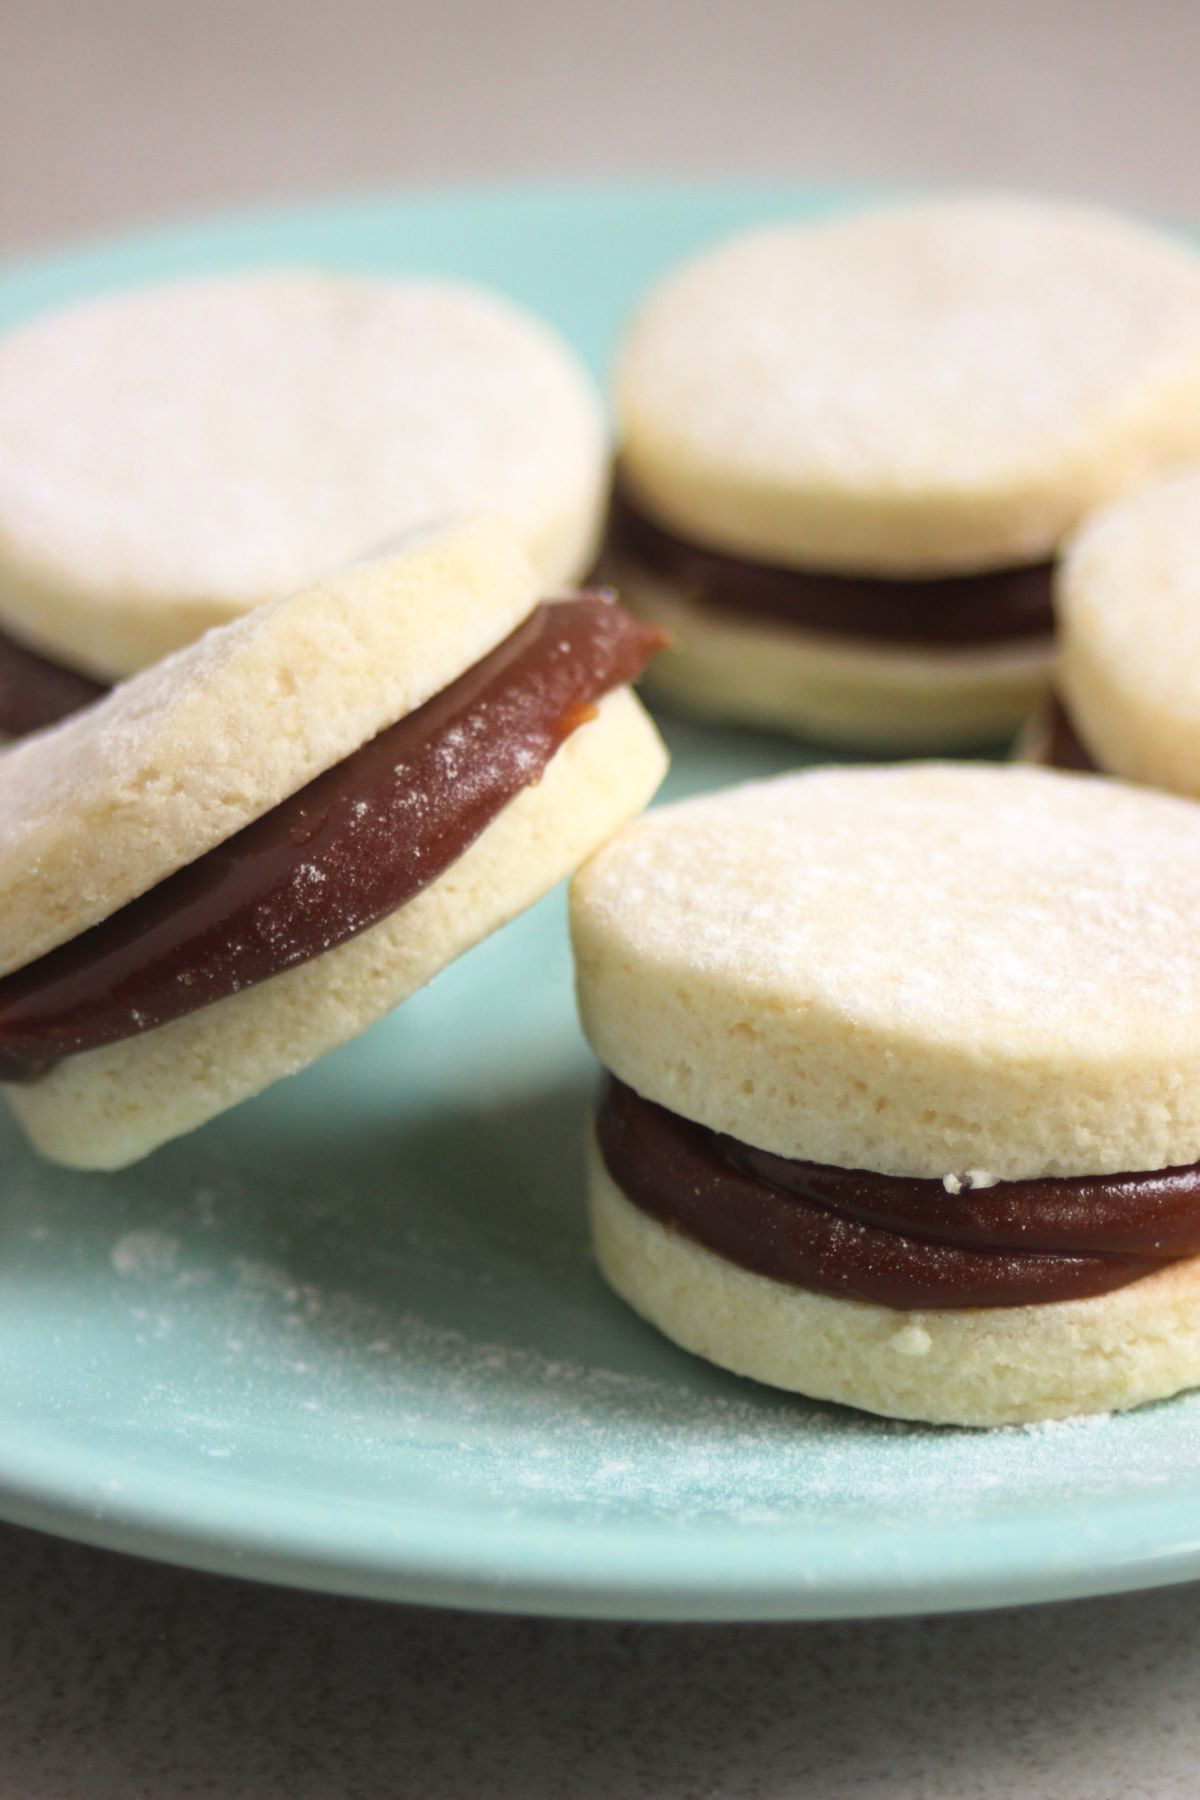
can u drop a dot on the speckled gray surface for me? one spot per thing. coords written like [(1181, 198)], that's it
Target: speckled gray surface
[(121, 1680)]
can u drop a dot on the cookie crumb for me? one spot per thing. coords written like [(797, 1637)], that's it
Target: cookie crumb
[(967, 1180)]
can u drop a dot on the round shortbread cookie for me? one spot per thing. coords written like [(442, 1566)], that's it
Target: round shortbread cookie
[(926, 389), (917, 970), (174, 456), (109, 803), (1129, 611), (884, 697), (108, 1107), (1005, 1365)]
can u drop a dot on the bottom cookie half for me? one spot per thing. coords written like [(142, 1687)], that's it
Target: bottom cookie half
[(978, 1366), (839, 691)]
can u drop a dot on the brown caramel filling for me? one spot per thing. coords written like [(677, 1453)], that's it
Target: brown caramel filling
[(1059, 745), (35, 691), (894, 1240), (334, 858), (998, 607)]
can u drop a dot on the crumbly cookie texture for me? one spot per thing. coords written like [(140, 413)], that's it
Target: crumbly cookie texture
[(917, 970), (100, 808), (1128, 603), (885, 697), (173, 456), (109, 1107), (924, 389), (1008, 1365)]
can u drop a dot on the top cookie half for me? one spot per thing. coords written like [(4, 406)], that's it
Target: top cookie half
[(917, 970), (179, 758), (174, 456), (922, 390)]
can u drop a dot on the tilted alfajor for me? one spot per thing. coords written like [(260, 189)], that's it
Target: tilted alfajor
[(250, 852)]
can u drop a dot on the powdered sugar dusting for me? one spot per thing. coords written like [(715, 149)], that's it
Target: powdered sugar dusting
[(947, 346), (958, 904), (145, 1254), (439, 1398), (241, 436)]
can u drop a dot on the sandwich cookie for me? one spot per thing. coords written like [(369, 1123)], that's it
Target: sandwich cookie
[(849, 452), (250, 852), (1126, 695), (173, 456), (902, 1094)]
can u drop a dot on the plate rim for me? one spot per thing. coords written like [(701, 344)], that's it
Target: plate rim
[(507, 1567)]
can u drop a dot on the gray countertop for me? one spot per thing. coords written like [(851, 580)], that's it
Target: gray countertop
[(136, 109), (119, 1679), (122, 1679)]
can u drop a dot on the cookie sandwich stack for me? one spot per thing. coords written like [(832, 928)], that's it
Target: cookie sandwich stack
[(849, 453)]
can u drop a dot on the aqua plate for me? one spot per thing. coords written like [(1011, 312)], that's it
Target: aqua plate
[(350, 1336)]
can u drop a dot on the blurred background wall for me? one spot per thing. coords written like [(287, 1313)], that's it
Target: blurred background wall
[(116, 112)]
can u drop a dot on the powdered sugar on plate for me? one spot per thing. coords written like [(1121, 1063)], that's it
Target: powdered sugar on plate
[(477, 1393)]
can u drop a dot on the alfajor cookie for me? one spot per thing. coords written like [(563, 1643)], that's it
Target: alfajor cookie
[(1127, 685), (902, 1094), (173, 456), (849, 451), (248, 853)]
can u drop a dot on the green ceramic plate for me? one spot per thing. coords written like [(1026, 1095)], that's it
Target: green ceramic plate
[(349, 1336)]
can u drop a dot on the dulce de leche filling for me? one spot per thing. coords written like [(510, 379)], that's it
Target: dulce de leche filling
[(336, 857), (894, 1240), (998, 607), (1058, 744), (34, 691)]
